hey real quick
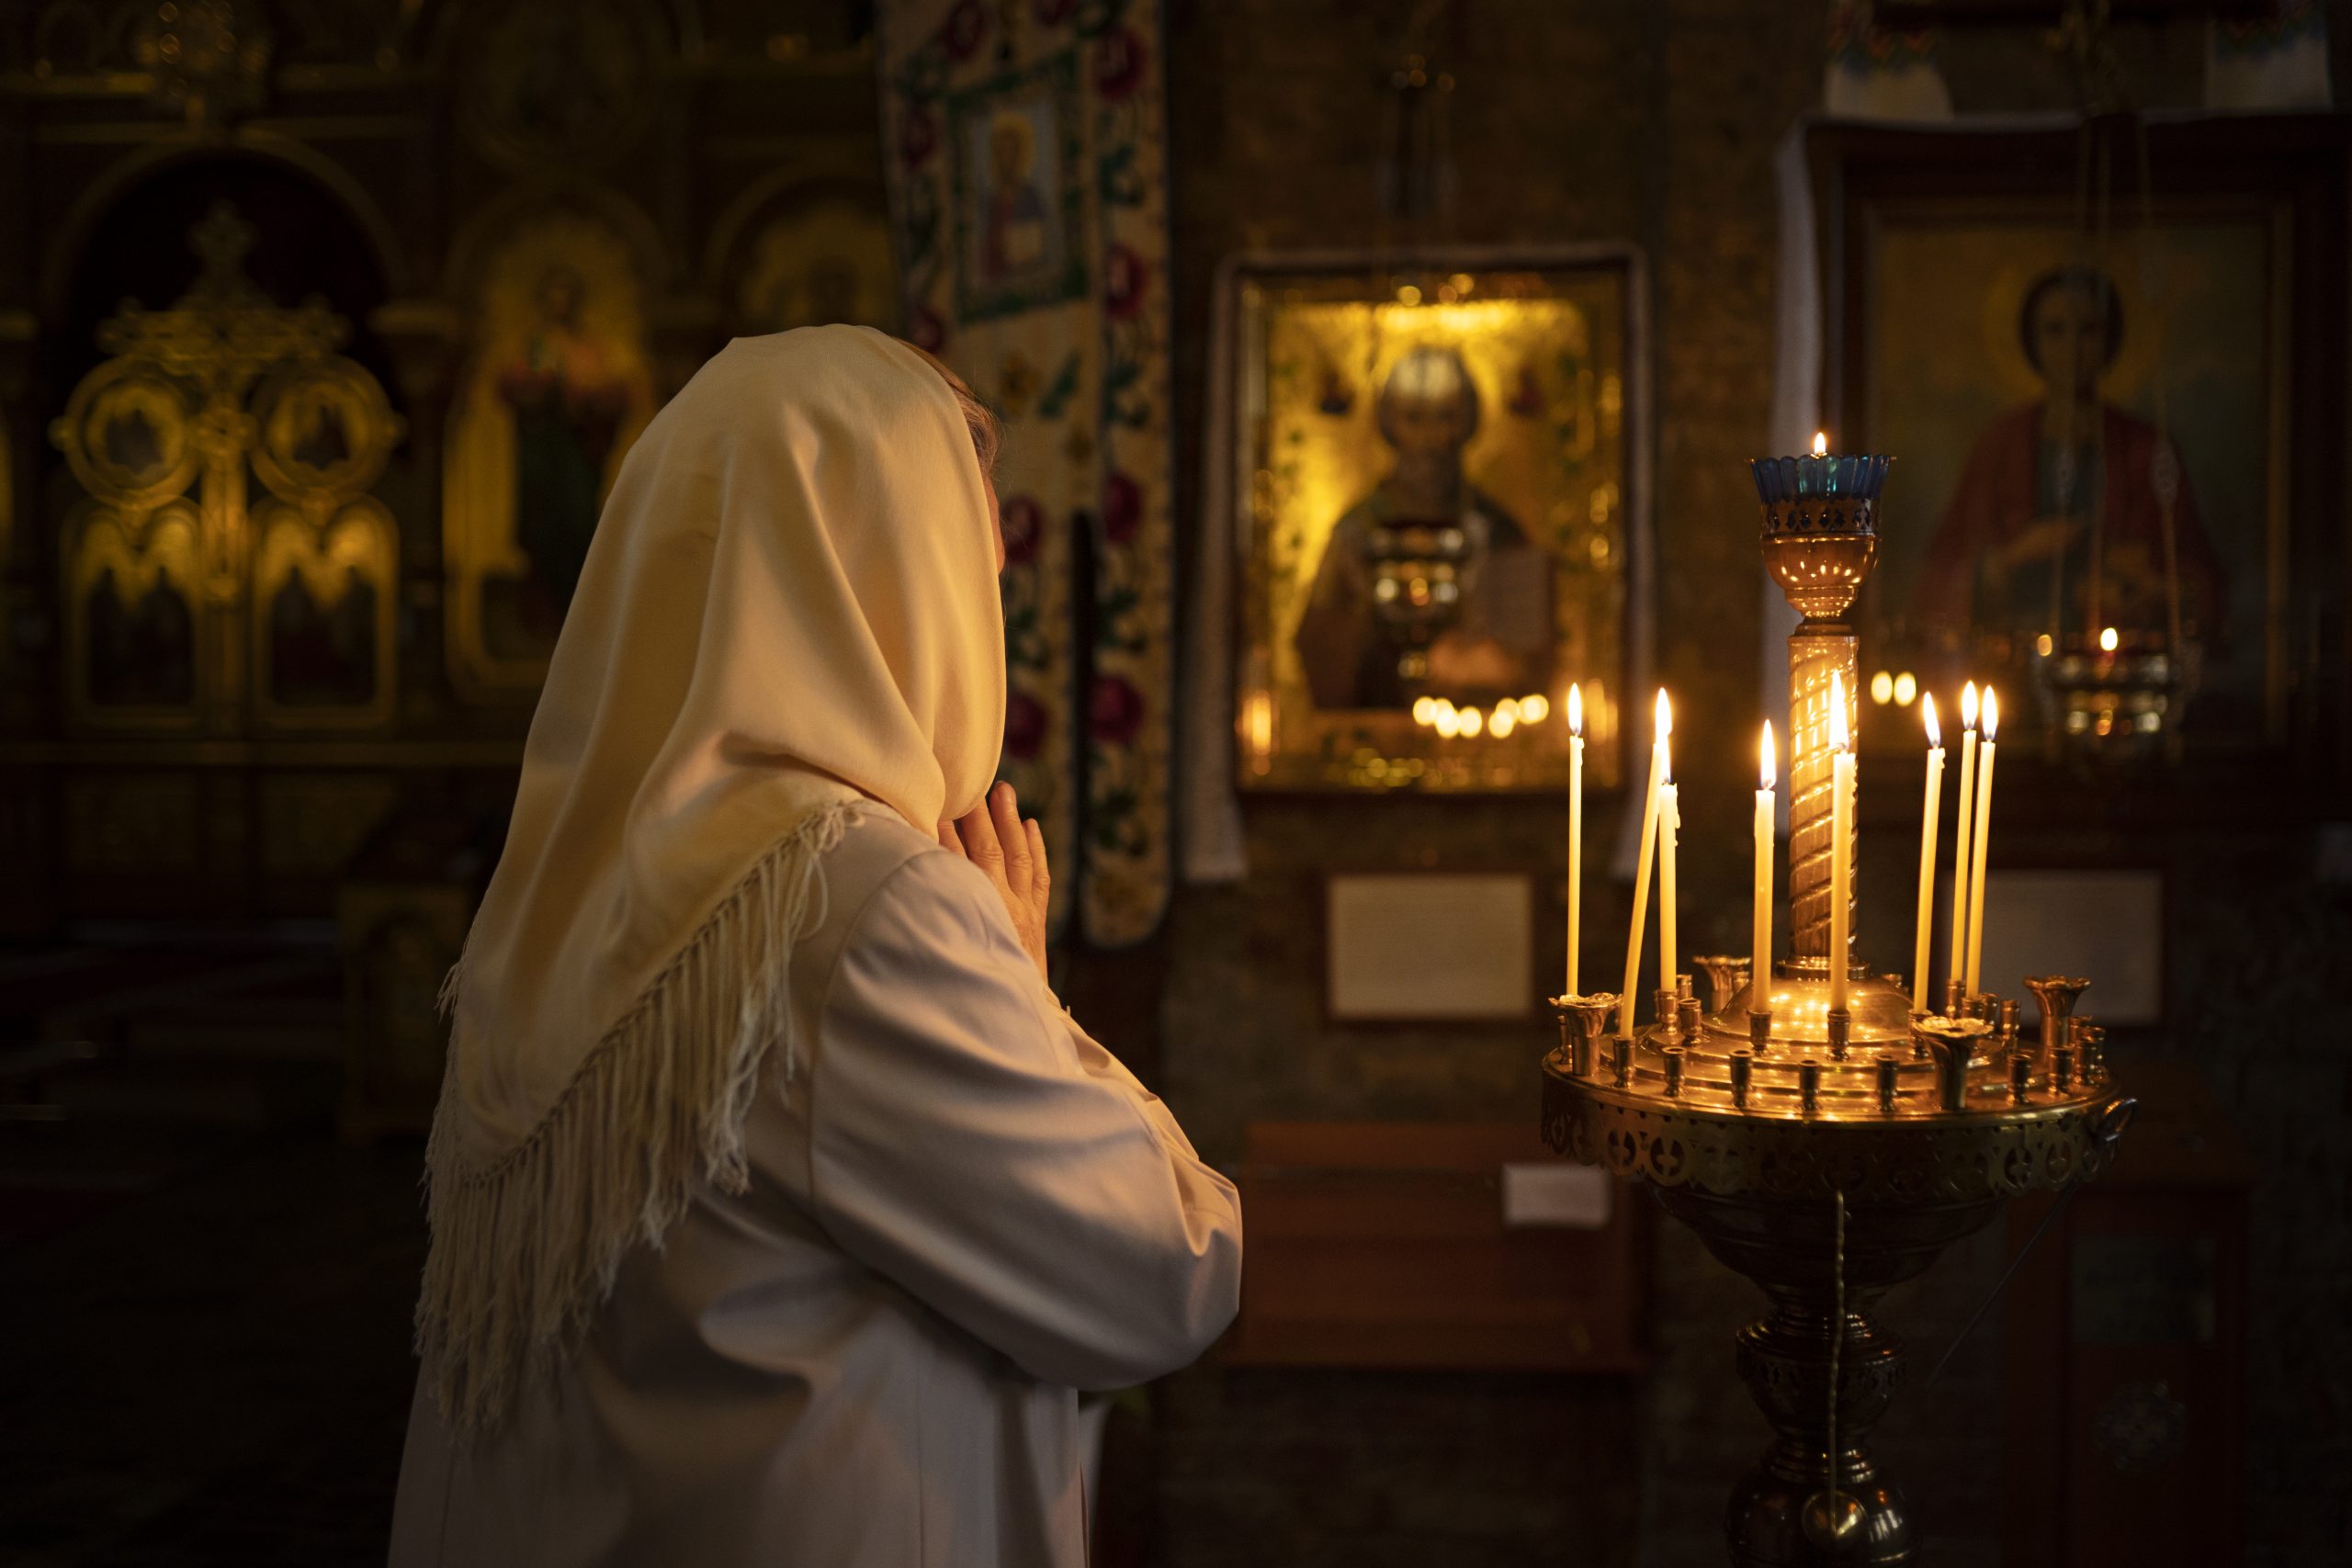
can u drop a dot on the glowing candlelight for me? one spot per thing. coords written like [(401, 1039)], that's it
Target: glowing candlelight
[(1983, 832), (2107, 639), (1962, 825), (1927, 810), (1759, 966), (1576, 828), (1821, 443), (1658, 768), (1841, 868)]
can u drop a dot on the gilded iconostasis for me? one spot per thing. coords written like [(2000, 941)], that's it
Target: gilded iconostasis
[(322, 344)]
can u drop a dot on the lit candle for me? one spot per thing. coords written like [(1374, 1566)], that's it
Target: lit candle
[(1841, 817), (1576, 830), (1928, 809), (1669, 823), (1983, 832), (1659, 767), (1759, 963), (1962, 825)]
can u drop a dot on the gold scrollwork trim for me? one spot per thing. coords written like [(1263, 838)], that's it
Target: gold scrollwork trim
[(324, 430), (1958, 1159)]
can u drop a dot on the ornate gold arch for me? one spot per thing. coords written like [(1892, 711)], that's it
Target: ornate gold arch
[(165, 560)]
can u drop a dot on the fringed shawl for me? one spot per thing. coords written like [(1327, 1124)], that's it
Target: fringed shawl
[(788, 612)]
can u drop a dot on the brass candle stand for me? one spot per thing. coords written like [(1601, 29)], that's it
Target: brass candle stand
[(1827, 1156)]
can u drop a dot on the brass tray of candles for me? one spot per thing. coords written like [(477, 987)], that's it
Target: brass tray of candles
[(1822, 1130)]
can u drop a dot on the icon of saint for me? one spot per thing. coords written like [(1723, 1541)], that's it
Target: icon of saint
[(1015, 234), (569, 403), (1427, 585), (2071, 514)]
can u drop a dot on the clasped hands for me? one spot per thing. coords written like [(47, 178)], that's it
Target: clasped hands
[(1011, 853)]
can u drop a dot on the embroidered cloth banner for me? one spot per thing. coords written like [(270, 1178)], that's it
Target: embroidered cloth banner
[(1026, 142)]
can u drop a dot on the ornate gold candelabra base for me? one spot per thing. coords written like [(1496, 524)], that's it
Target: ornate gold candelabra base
[(1755, 1149)]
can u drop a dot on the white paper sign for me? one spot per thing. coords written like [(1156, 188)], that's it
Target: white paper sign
[(1430, 946), (1567, 1197)]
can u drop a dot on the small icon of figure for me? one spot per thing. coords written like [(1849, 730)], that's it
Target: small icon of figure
[(2058, 524), (568, 405), (1014, 237), (1427, 586)]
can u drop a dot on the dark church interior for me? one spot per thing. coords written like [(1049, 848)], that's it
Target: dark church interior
[(1438, 437)]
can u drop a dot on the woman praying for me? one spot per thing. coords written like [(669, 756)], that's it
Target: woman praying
[(777, 1206)]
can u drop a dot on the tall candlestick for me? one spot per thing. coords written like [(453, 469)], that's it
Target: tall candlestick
[(1576, 831), (1928, 809), (1760, 965), (1659, 766), (1670, 824), (1962, 825), (1841, 862), (1983, 832)]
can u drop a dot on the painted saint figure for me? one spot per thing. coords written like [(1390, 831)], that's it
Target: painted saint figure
[(141, 654), (1014, 239), (568, 405), (2059, 524), (1427, 586)]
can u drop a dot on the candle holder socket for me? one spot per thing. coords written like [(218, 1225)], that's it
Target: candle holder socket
[(2056, 995), (1620, 1061), (1841, 1029), (1668, 1011), (1953, 1042), (1726, 977), (1671, 1060), (2089, 1042), (1809, 1087), (1583, 1019), (2020, 1076), (1684, 986), (1743, 1075), (1889, 1077), (1759, 1030), (1686, 1020)]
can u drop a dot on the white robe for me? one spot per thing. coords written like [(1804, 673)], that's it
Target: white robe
[(961, 1210)]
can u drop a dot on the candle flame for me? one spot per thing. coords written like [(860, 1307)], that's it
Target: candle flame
[(1934, 730), (1821, 443), (1576, 710), (1665, 715), (1992, 716), (1968, 705), (1839, 739), (1767, 767), (2107, 640)]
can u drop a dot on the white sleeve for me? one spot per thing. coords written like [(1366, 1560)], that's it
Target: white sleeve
[(967, 1141)]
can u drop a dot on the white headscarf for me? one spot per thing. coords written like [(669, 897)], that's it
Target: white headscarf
[(790, 604)]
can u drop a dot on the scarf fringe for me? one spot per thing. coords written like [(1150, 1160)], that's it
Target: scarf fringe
[(527, 1248)]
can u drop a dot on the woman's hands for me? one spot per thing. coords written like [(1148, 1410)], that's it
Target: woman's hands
[(1011, 854)]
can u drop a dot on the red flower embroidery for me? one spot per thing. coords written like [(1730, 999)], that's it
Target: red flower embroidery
[(965, 25), (1122, 508), (1124, 279), (1025, 529), (926, 331), (918, 137), (1115, 712), (1118, 65), (1025, 723)]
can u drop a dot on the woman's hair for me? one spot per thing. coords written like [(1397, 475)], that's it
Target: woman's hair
[(986, 437)]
